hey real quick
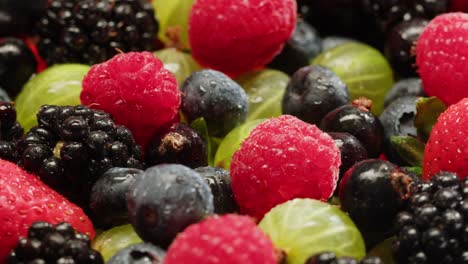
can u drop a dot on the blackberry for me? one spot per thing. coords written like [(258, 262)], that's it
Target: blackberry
[(46, 243), (10, 132), (73, 146), (389, 13), (331, 258), (432, 226), (92, 31)]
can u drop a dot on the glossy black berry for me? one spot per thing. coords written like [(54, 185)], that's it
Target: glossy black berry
[(46, 243), (373, 192), (313, 92), (90, 32), (351, 150), (178, 144), (432, 226), (360, 123), (108, 196), (215, 97), (138, 253), (399, 45), (17, 64), (219, 181), (165, 199), (73, 146)]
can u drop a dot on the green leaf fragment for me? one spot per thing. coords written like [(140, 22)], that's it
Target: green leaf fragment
[(415, 170), (428, 110), (409, 148)]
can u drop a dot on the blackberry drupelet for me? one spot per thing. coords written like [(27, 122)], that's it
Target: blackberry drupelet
[(73, 146), (46, 243), (331, 258), (389, 13), (432, 228), (10, 132), (92, 31)]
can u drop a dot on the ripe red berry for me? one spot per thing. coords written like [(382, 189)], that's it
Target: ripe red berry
[(442, 51), (228, 239), (282, 159), (447, 147), (136, 90), (24, 199), (235, 36)]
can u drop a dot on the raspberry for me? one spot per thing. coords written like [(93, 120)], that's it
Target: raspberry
[(447, 147), (238, 36), (282, 159), (229, 239), (136, 90), (441, 51)]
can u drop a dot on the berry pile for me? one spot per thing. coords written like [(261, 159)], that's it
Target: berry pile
[(89, 31), (237, 132), (72, 146)]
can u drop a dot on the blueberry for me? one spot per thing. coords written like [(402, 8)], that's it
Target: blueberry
[(165, 199), (373, 192), (313, 92), (17, 64), (179, 144), (402, 88), (360, 123), (138, 254), (108, 196), (397, 120), (304, 44), (215, 97), (219, 181)]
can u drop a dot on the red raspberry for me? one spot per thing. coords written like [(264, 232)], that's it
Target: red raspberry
[(447, 147), (136, 90), (282, 159), (442, 53), (236, 36), (24, 199), (228, 239)]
